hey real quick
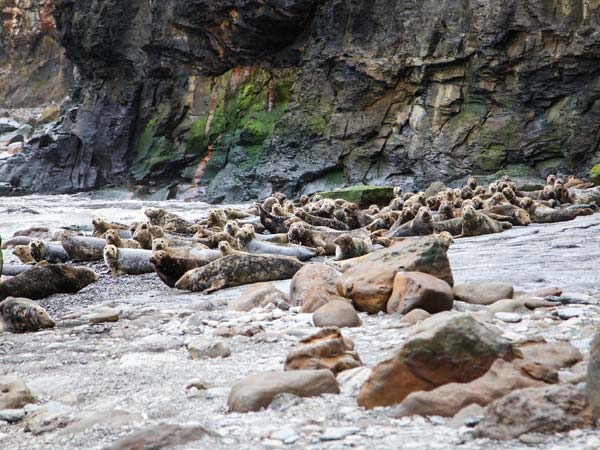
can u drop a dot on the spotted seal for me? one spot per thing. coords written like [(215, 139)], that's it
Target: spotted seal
[(347, 247), (169, 221), (45, 251), (44, 280), (83, 248), (20, 315), (237, 270), (477, 224)]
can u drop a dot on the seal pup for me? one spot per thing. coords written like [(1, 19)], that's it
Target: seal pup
[(20, 315), (227, 250), (45, 251), (248, 242), (83, 248), (477, 224), (347, 247), (237, 270), (24, 254), (127, 261), (113, 238), (170, 269), (42, 281)]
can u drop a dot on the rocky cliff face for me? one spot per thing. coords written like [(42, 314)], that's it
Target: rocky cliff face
[(231, 99), (33, 68)]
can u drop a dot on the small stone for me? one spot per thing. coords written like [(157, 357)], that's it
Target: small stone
[(483, 293), (197, 384), (13, 393), (287, 435), (417, 290), (102, 317), (12, 415), (247, 330), (552, 409), (508, 306), (573, 298), (335, 434), (203, 349), (313, 286), (567, 313), (259, 295), (508, 317), (337, 313), (326, 349), (159, 437), (532, 438), (547, 292), (415, 316), (257, 391), (469, 416)]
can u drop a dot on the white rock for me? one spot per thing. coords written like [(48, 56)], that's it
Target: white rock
[(335, 434), (508, 317)]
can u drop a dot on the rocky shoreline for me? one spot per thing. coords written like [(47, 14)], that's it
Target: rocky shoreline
[(111, 385), (129, 355)]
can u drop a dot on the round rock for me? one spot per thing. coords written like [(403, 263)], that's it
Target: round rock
[(336, 313)]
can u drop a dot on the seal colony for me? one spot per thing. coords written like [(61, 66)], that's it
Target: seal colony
[(369, 310), (275, 238)]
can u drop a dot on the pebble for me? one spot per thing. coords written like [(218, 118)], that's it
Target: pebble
[(103, 317), (12, 415), (570, 298), (508, 317), (568, 313), (335, 434), (286, 434)]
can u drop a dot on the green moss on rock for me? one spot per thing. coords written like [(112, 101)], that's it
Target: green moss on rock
[(516, 170), (595, 175), (363, 196), (493, 157)]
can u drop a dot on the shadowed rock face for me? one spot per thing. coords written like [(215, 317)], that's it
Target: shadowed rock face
[(230, 99), (33, 69)]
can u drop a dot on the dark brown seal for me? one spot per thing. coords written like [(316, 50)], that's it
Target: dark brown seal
[(43, 281), (171, 269)]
